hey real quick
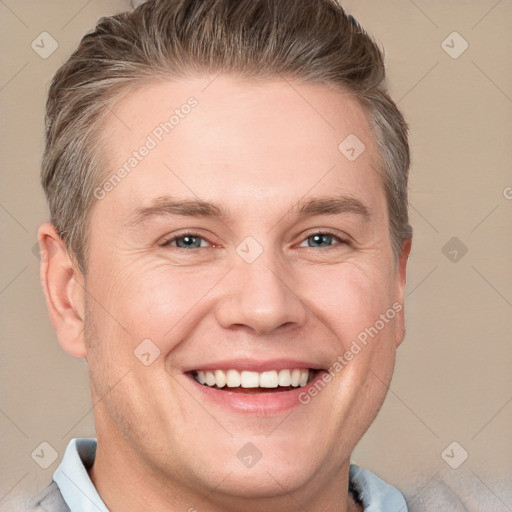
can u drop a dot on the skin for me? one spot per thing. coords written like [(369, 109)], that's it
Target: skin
[(254, 149)]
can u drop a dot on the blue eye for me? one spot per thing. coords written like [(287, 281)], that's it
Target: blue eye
[(185, 241), (191, 240), (322, 239)]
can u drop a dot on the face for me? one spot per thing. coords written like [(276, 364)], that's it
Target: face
[(241, 248)]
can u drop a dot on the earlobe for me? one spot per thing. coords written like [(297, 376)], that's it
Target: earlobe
[(63, 287)]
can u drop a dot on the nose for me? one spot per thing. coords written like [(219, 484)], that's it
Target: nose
[(260, 296)]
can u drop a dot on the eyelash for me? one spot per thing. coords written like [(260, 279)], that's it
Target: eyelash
[(167, 241)]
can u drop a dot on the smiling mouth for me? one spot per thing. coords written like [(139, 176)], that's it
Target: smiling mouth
[(249, 382)]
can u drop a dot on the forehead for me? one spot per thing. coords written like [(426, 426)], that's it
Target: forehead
[(222, 137)]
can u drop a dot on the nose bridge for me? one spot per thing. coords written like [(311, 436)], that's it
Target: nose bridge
[(259, 294)]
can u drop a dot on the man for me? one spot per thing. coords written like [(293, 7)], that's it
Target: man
[(227, 184)]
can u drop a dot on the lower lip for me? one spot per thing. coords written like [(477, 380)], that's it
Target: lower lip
[(264, 404)]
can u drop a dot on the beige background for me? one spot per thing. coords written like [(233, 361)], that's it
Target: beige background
[(453, 380)]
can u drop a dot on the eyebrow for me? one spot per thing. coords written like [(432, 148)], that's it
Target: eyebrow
[(164, 206)]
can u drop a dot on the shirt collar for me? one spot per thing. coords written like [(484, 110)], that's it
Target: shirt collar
[(73, 480), (376, 495)]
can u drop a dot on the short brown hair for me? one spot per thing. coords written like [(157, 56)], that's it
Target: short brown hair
[(308, 40)]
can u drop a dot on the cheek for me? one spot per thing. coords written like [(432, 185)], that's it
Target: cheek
[(157, 302), (349, 298)]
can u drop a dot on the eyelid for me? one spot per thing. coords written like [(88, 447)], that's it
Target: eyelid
[(342, 238), (167, 239)]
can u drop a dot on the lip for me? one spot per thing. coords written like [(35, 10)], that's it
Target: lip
[(261, 404), (252, 365)]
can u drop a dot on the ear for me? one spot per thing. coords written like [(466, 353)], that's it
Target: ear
[(63, 287), (401, 272)]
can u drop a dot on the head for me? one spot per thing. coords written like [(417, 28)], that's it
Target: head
[(227, 184)]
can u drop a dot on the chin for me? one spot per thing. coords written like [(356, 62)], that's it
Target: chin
[(260, 467), (264, 482)]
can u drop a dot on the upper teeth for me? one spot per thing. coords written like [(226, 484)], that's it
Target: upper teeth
[(246, 379)]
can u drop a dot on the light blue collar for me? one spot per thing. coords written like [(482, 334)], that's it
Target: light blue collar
[(73, 480), (376, 495)]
